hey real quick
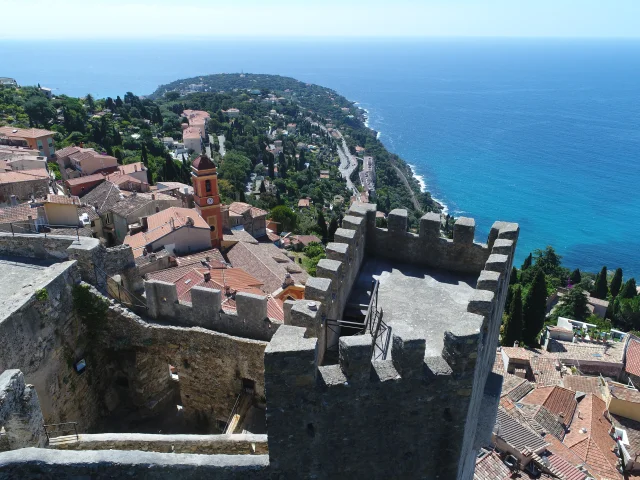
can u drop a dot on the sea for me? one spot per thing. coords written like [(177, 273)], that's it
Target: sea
[(543, 132)]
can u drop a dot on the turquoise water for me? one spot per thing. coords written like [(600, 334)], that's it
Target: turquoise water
[(544, 132)]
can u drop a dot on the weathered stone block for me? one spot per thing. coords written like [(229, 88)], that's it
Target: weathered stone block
[(331, 269), (488, 281), (497, 263), (337, 251), (206, 304), (464, 230), (355, 357), (318, 289), (430, 226), (503, 246), (289, 352), (397, 221), (344, 235), (252, 308), (481, 302), (407, 351)]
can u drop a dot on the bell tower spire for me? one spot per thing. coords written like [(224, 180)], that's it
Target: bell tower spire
[(204, 178)]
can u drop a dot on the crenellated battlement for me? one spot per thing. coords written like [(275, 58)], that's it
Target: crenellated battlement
[(431, 387), (249, 320)]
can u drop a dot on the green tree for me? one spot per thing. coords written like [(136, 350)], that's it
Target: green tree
[(322, 225), (144, 157), (285, 217), (534, 309), (333, 226), (600, 289), (573, 305), (575, 277), (548, 260), (301, 161), (39, 110), (235, 168), (90, 103), (513, 279), (629, 290), (263, 189), (527, 262), (513, 328), (616, 283)]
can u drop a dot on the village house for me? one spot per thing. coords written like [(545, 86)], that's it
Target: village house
[(34, 138), (181, 191), (79, 162), (128, 183), (197, 119), (80, 186), (267, 263), (19, 218), (24, 185), (61, 210), (242, 215), (192, 139), (291, 128), (304, 203), (136, 170), (179, 230)]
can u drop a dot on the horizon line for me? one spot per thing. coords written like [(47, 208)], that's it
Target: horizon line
[(172, 38)]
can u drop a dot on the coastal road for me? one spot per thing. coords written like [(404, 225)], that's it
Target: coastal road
[(414, 200), (348, 163)]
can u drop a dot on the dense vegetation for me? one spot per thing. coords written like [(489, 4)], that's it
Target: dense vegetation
[(541, 275)]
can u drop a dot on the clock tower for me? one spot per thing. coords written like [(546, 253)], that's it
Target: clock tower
[(204, 178)]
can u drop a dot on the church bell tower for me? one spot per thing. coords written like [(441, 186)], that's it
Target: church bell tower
[(204, 178)]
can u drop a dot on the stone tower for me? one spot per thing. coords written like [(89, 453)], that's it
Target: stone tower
[(207, 201)]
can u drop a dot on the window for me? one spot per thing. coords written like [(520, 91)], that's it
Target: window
[(207, 186)]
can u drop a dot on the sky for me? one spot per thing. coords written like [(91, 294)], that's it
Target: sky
[(121, 19)]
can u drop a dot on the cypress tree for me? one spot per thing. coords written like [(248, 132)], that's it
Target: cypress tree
[(263, 189), (527, 262), (144, 156), (575, 277), (333, 226), (629, 290), (513, 328), (616, 283), (322, 224), (534, 309), (514, 276), (600, 290)]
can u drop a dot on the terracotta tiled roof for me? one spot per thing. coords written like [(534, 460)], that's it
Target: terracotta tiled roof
[(214, 256), (632, 362), (132, 203), (91, 213), (239, 208), (13, 132), (521, 353), (307, 239), (303, 202), (609, 352), (192, 132), (546, 371), (579, 383), (491, 467), (62, 199), (162, 224), (131, 168), (66, 151), (266, 262), (82, 180), (622, 393), (558, 400), (17, 213), (187, 277), (560, 467), (589, 438), (202, 162), (632, 427), (23, 176)]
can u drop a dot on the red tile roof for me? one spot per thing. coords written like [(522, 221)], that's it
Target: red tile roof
[(202, 162), (589, 438), (491, 467), (303, 202), (579, 383), (13, 132), (62, 199), (191, 132), (82, 180), (23, 176), (122, 179), (623, 393), (17, 213), (632, 363), (546, 371), (558, 400), (130, 168), (562, 461)]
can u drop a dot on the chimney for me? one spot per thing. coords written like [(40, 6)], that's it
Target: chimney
[(288, 281), (153, 196), (144, 223), (135, 168), (14, 200), (207, 276)]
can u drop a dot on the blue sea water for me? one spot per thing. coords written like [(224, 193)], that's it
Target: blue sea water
[(542, 132)]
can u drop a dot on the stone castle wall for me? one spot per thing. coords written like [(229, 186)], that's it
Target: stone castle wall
[(409, 416), (205, 310)]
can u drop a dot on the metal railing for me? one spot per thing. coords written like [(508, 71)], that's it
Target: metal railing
[(31, 228), (68, 427), (373, 324)]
